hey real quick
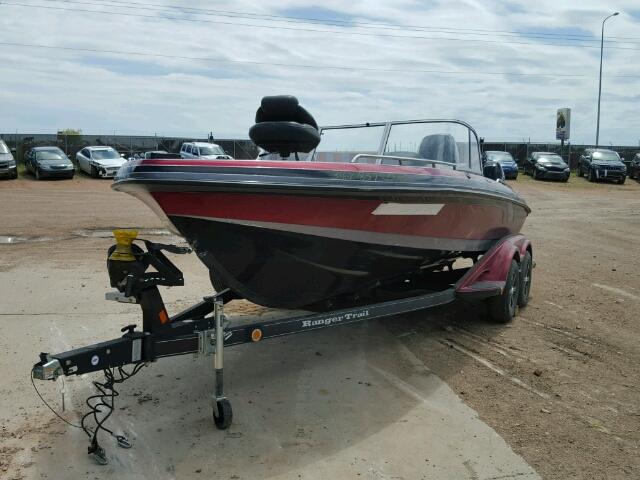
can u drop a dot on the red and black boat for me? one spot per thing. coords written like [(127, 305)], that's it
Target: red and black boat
[(339, 212), (365, 224)]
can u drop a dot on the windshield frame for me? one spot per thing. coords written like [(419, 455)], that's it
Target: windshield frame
[(4, 148), (387, 130)]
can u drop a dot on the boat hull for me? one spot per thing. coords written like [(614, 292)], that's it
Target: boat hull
[(290, 236)]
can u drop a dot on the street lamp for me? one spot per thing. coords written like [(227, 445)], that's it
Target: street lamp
[(600, 82)]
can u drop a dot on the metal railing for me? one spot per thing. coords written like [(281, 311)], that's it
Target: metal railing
[(380, 158)]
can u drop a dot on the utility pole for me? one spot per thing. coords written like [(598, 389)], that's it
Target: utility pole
[(600, 81)]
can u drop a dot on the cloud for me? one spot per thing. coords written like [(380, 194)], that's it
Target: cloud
[(43, 90)]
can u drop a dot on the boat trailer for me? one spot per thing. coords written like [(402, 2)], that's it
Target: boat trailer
[(204, 329)]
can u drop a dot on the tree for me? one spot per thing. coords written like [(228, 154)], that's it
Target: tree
[(70, 131)]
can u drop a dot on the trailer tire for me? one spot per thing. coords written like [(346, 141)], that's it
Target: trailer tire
[(502, 308), (526, 275), (222, 414)]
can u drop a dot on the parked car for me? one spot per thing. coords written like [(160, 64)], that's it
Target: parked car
[(634, 167), (160, 154), (506, 161), (99, 161), (627, 163), (8, 167), (602, 164), (546, 165), (203, 150), (48, 162)]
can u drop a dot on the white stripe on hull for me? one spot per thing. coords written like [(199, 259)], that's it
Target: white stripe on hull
[(388, 208), (376, 238)]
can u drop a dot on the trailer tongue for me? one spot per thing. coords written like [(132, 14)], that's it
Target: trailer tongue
[(204, 329)]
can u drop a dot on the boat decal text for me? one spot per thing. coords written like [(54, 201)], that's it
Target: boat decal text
[(343, 317)]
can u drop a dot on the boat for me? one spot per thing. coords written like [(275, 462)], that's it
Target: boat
[(335, 212)]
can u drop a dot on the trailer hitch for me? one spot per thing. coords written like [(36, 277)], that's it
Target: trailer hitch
[(48, 368)]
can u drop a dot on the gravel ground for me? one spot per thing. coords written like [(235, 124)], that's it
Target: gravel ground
[(559, 385)]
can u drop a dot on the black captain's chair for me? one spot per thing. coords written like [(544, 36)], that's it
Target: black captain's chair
[(284, 127)]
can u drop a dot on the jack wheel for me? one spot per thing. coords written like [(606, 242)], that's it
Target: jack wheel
[(223, 414)]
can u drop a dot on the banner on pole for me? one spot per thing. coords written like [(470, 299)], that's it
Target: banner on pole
[(563, 123)]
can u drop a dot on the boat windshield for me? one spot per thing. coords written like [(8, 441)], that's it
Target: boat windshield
[(445, 144), (342, 144)]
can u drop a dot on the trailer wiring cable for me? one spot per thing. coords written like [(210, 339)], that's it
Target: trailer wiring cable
[(106, 396)]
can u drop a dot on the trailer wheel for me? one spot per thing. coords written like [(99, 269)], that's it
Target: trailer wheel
[(526, 275), (502, 308), (223, 414)]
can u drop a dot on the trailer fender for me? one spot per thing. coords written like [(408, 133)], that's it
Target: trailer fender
[(488, 276)]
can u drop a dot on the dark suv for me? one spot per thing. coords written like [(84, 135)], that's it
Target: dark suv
[(602, 164), (634, 167)]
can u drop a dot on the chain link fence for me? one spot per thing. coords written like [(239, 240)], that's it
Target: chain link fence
[(21, 143), (570, 153)]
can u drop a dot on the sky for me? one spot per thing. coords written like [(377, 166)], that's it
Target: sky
[(187, 68)]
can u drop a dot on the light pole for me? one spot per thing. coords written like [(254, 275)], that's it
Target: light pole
[(600, 82)]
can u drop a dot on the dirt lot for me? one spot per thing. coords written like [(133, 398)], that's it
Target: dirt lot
[(560, 385)]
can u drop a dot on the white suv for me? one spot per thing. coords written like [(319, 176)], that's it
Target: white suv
[(203, 150)]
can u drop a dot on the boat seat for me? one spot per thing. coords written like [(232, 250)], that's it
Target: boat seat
[(283, 126), (441, 147)]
